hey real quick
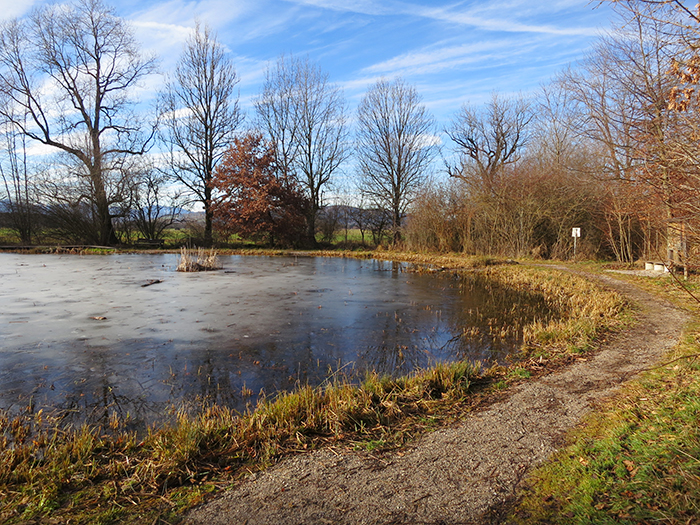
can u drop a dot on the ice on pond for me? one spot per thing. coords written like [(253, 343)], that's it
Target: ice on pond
[(128, 331)]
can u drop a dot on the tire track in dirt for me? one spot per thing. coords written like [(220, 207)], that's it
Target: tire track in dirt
[(461, 474)]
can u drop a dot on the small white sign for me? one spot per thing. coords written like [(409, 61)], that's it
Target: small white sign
[(576, 232)]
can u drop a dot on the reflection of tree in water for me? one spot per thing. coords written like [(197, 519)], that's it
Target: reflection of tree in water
[(393, 360), (145, 381), (104, 406), (487, 328), (501, 316)]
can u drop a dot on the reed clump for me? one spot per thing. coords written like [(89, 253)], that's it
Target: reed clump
[(198, 260)]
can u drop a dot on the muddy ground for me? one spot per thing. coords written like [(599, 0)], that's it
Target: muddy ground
[(458, 475)]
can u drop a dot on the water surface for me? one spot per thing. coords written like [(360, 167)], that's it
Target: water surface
[(83, 333)]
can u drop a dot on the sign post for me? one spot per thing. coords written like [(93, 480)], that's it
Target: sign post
[(575, 233)]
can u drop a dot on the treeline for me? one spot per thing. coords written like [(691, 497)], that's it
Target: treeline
[(609, 146)]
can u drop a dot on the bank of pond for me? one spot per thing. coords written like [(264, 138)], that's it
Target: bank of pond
[(167, 387)]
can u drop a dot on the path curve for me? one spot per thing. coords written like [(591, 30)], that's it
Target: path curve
[(459, 474)]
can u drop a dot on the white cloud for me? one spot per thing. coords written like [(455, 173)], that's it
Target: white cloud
[(499, 18), (37, 149), (436, 58), (14, 8), (164, 27), (489, 16), (159, 35), (216, 13), (428, 140), (365, 7)]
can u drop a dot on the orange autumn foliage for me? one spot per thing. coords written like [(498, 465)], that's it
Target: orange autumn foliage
[(254, 201)]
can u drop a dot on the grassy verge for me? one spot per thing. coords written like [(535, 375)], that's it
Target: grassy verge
[(637, 458), (51, 474)]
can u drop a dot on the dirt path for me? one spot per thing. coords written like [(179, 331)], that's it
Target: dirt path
[(460, 474)]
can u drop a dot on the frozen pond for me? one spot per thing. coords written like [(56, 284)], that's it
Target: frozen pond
[(82, 333)]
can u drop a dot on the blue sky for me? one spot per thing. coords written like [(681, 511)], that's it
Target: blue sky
[(453, 52)]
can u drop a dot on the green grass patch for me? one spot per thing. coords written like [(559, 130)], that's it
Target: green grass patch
[(520, 373), (636, 460), (8, 236), (370, 446)]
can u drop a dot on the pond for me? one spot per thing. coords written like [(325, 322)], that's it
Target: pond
[(83, 333)]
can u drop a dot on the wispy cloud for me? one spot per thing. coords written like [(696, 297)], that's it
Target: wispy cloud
[(217, 13), (166, 25), (505, 16), (453, 51), (503, 23), (365, 7), (436, 58)]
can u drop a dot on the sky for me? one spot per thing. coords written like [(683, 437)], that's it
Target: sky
[(453, 52)]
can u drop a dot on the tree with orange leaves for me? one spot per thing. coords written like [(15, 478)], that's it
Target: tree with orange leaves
[(667, 142), (254, 201)]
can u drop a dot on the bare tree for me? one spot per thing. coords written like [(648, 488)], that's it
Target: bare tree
[(304, 117), (64, 192), (156, 206), (70, 70), (489, 143), (623, 92), (201, 115), (489, 139), (395, 145), (19, 192)]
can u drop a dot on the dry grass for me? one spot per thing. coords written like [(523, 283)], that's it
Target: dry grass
[(200, 261), (90, 473), (432, 262), (582, 310)]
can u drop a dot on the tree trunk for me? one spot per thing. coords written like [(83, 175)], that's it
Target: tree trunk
[(208, 216), (397, 225), (106, 234), (311, 226)]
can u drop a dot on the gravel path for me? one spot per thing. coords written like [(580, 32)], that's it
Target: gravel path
[(461, 474)]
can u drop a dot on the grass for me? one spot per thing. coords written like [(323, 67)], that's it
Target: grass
[(94, 473), (8, 236), (637, 458), (105, 474), (579, 306)]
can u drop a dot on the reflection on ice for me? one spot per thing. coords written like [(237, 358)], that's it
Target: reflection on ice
[(83, 333)]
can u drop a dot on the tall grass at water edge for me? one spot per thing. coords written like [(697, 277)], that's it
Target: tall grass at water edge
[(104, 474), (99, 474), (581, 311)]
